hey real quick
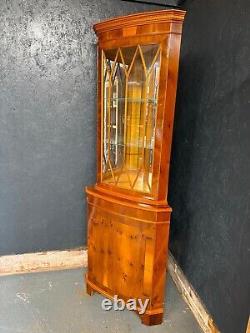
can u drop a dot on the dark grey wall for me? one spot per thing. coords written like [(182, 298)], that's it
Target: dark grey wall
[(210, 170), (47, 119), (47, 138)]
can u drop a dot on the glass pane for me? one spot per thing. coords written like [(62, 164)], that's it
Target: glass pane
[(149, 53), (107, 73), (113, 123), (131, 80)]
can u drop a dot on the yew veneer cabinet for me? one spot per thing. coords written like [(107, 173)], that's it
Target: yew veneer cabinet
[(128, 213)]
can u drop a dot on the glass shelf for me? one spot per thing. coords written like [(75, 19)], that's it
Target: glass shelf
[(132, 100)]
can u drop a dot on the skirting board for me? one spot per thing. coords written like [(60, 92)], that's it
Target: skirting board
[(191, 298), (43, 261), (78, 258)]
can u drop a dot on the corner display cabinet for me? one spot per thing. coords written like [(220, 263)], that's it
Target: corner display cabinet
[(128, 213)]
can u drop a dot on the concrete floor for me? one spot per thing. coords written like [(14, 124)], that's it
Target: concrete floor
[(56, 302)]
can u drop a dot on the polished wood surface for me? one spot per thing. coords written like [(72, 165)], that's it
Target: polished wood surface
[(128, 221)]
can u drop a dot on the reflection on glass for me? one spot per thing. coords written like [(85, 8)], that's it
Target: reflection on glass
[(130, 91)]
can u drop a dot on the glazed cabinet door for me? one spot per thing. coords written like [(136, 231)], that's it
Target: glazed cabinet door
[(130, 88)]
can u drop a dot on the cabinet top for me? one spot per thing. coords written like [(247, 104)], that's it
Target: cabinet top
[(160, 16)]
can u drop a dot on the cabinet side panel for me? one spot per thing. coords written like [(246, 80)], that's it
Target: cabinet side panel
[(99, 114), (160, 263), (174, 42)]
